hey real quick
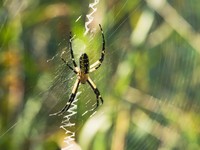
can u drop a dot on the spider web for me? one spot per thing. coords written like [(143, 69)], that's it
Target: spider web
[(150, 86), (63, 79)]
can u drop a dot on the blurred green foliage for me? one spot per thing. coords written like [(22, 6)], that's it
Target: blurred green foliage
[(150, 79)]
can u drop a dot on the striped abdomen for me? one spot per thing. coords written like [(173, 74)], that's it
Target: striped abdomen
[(84, 63)]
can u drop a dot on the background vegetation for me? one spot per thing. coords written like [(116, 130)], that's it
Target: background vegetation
[(150, 79)]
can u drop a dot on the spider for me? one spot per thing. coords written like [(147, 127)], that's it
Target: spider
[(82, 73)]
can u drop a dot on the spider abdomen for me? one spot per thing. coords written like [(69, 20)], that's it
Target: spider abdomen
[(84, 63)]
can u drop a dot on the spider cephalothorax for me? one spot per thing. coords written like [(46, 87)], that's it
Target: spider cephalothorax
[(82, 73)]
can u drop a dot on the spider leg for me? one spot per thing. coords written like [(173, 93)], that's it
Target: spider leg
[(96, 91), (71, 50), (75, 71), (71, 99), (98, 63)]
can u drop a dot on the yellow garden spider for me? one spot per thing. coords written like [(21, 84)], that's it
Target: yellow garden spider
[(82, 73)]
